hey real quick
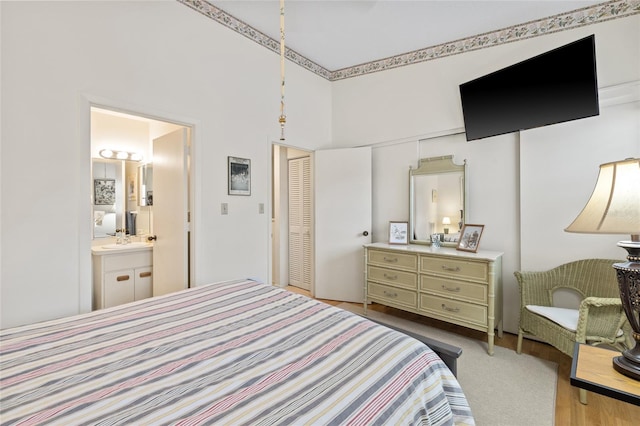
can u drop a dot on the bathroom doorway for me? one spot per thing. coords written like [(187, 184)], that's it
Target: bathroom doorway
[(151, 151)]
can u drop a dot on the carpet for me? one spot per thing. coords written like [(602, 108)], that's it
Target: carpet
[(505, 389)]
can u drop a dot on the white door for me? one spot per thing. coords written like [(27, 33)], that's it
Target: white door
[(300, 221), (342, 180), (170, 206)]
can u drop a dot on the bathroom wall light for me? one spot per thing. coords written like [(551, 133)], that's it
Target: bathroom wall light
[(120, 155)]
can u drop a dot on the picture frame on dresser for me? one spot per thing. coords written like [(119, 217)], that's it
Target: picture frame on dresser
[(398, 232), (470, 238)]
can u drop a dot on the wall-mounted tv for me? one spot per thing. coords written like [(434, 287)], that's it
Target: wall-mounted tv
[(556, 86)]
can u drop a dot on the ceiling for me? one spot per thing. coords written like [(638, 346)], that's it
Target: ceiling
[(337, 34)]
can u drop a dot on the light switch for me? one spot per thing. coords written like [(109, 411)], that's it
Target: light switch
[(224, 208), (261, 208)]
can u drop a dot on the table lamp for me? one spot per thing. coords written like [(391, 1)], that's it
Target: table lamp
[(614, 208), (446, 221)]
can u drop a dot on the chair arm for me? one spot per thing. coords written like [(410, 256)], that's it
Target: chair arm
[(600, 301), (599, 316)]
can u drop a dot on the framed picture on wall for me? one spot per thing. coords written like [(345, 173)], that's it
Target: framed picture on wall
[(104, 191), (470, 238), (398, 232), (239, 176)]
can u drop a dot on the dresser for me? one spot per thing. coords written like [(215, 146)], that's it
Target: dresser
[(443, 283)]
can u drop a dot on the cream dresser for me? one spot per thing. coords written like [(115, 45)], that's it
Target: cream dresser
[(443, 283)]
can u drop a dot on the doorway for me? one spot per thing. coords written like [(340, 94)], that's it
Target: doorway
[(292, 218), (148, 143)]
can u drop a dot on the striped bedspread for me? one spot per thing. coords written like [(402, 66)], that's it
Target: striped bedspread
[(231, 353)]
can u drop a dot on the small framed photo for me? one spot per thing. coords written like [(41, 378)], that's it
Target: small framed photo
[(470, 238), (398, 232), (104, 192), (239, 176)]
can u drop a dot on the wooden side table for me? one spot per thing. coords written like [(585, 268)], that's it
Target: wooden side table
[(592, 369)]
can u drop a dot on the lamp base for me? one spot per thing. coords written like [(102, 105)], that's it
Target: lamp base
[(624, 366), (628, 275)]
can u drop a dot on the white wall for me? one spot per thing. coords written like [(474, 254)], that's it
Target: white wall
[(393, 110), (558, 177), (159, 58)]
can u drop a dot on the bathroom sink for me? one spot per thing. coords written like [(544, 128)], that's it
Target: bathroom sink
[(126, 246)]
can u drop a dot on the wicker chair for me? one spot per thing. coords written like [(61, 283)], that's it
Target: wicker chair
[(600, 317)]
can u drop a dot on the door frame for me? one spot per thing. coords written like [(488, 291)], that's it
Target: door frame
[(85, 235), (278, 260)]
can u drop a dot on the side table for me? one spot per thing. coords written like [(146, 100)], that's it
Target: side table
[(592, 369)]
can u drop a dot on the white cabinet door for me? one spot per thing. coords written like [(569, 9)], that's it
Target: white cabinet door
[(144, 283), (119, 287)]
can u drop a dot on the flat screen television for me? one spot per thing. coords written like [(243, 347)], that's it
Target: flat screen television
[(554, 87)]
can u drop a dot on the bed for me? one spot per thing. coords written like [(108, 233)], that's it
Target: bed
[(231, 353)]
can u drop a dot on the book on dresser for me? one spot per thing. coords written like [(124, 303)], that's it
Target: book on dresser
[(443, 283)]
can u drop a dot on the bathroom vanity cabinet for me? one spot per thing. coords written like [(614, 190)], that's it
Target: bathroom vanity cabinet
[(442, 283), (121, 275)]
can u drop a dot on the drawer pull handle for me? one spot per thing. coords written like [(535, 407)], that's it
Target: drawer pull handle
[(386, 293), (391, 260), (450, 309), (145, 274), (453, 290), (122, 278), (450, 269), (390, 277)]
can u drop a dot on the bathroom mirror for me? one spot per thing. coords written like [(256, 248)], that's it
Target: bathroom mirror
[(121, 197), (108, 197), (437, 201)]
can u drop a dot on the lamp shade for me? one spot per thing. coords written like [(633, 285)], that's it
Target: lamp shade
[(614, 206), (446, 220)]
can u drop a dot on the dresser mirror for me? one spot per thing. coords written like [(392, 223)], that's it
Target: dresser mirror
[(437, 201)]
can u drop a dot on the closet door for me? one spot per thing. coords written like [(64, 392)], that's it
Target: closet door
[(300, 221)]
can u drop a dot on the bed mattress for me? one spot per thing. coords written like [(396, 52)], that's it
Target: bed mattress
[(231, 353)]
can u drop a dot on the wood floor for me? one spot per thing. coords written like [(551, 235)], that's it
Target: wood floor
[(600, 410)]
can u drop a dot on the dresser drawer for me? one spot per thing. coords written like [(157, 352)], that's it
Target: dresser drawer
[(393, 260), (393, 295), (462, 290), (393, 277), (454, 309), (458, 269)]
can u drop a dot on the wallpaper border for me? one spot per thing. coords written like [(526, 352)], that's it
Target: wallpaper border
[(577, 18)]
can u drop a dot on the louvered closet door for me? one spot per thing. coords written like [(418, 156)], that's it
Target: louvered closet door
[(300, 267)]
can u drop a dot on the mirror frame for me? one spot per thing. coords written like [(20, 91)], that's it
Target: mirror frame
[(435, 166), (144, 184)]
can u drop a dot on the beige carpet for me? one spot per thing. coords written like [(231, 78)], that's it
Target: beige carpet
[(505, 389)]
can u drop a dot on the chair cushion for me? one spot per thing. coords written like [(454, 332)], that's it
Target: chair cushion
[(566, 318)]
